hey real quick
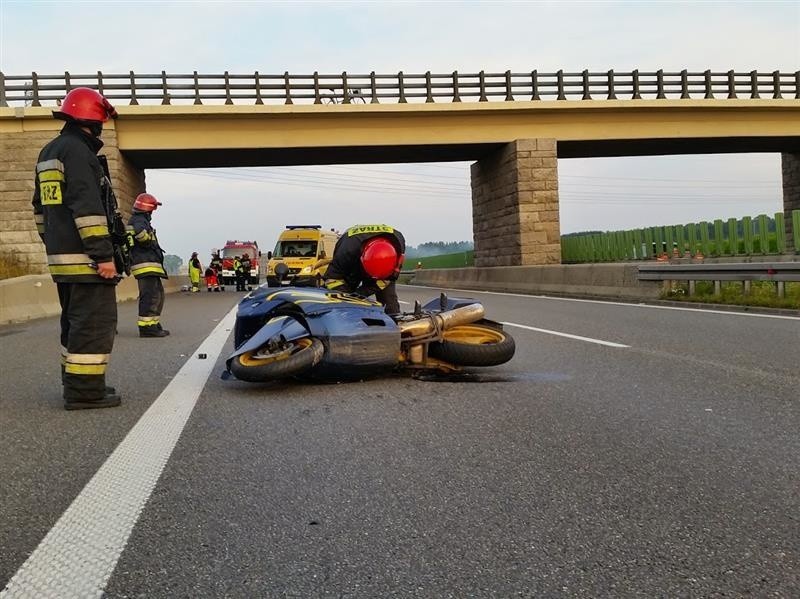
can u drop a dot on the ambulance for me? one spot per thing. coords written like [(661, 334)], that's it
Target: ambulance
[(294, 261)]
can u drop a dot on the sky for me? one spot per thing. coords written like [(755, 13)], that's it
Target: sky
[(428, 202)]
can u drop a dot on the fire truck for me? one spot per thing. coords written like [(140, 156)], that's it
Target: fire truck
[(233, 248)]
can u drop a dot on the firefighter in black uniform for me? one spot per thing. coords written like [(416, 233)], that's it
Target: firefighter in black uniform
[(147, 266), (72, 222), (367, 261), (246, 265)]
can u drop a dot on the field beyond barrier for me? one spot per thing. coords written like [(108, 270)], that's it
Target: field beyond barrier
[(35, 296), (598, 280)]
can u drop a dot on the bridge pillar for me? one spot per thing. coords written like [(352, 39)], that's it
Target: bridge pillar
[(515, 220), (790, 165), (19, 149)]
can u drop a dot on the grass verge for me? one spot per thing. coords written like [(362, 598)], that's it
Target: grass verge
[(762, 293)]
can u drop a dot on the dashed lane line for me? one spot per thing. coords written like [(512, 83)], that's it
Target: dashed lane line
[(567, 335), (77, 557)]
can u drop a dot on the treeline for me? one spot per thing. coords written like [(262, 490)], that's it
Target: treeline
[(438, 248), (172, 264)]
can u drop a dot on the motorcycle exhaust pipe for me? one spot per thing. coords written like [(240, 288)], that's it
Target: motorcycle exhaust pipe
[(445, 320)]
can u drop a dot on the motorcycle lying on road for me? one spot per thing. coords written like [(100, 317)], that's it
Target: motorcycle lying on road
[(322, 333)]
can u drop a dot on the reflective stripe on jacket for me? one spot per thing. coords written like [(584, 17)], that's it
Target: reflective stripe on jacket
[(147, 257), (68, 207)]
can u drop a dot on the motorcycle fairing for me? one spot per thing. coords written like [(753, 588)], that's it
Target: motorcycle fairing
[(356, 332), (356, 340), (259, 306), (451, 303), (276, 328)]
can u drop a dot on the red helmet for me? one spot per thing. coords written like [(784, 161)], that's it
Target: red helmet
[(146, 202), (380, 259), (85, 104)]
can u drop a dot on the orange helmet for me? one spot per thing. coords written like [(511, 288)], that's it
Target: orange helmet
[(380, 259), (85, 104), (146, 202)]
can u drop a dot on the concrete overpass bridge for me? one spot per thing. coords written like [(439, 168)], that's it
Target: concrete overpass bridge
[(513, 125)]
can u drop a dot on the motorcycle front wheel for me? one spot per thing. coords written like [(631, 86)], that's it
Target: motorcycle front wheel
[(264, 364), (474, 345)]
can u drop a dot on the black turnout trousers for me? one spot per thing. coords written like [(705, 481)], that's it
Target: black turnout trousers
[(88, 326), (151, 301)]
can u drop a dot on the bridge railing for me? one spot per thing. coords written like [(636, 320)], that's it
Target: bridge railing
[(256, 88)]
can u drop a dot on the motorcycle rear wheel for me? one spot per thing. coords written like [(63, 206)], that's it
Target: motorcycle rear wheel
[(474, 345), (265, 365)]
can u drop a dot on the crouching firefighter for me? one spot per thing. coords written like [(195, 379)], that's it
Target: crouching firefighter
[(367, 261), (147, 266), (75, 215)]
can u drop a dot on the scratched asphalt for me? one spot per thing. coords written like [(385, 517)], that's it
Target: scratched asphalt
[(666, 469)]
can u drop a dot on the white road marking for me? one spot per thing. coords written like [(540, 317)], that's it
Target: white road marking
[(78, 555), (612, 303), (567, 335)]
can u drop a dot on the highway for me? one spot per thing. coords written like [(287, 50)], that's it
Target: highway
[(650, 452)]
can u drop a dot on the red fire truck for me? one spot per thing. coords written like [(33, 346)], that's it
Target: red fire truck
[(233, 248)]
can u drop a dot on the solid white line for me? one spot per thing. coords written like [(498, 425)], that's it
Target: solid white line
[(568, 335), (80, 552), (612, 303)]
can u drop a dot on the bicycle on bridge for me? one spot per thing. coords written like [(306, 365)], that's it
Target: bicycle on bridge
[(354, 94)]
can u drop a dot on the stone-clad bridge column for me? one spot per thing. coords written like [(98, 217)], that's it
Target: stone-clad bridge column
[(790, 164), (515, 217), (19, 150)]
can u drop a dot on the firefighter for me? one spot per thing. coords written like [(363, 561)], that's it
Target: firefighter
[(216, 265), (211, 279), (237, 273), (246, 266), (367, 260), (147, 265), (195, 268), (72, 222)]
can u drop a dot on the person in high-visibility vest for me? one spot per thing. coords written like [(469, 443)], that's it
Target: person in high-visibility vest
[(147, 266), (238, 273), (247, 265), (195, 270)]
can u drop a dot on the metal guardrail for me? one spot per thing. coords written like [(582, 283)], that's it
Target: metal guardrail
[(345, 88), (778, 272)]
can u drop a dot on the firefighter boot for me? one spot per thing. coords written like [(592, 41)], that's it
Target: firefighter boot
[(109, 401), (152, 331)]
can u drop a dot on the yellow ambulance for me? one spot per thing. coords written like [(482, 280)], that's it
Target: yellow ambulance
[(294, 261)]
